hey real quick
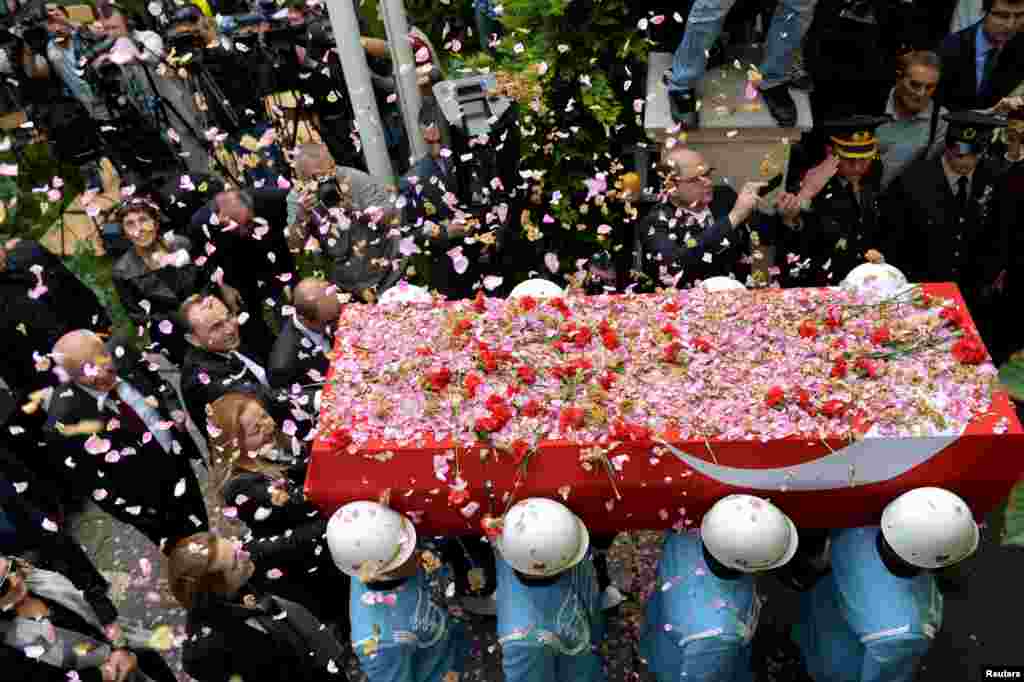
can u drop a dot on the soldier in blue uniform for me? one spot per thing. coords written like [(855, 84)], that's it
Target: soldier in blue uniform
[(399, 633), (875, 616), (703, 614), (549, 606)]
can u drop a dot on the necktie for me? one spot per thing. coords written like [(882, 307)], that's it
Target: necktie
[(129, 418), (251, 367), (962, 195), (985, 86)]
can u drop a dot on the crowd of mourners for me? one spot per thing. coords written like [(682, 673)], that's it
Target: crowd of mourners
[(926, 174)]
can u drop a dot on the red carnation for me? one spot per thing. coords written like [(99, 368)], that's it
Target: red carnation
[(776, 397), (570, 418), (610, 339), (487, 424), (670, 330), (671, 307), (834, 408), (671, 351), (606, 380), (803, 399), (623, 430), (881, 336), (424, 351), (526, 374), (527, 303), (440, 379), (839, 369), (701, 345), (583, 337), (488, 361), (866, 368), (491, 526), (808, 329), (530, 409), (923, 300), (953, 316), (462, 326), (520, 449), (480, 302), (834, 317), (471, 384), (969, 350), (559, 305)]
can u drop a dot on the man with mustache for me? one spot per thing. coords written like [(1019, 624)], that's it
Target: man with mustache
[(917, 129)]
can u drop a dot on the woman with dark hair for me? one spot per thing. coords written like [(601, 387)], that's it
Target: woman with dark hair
[(256, 477), (46, 625), (234, 630), (154, 277)]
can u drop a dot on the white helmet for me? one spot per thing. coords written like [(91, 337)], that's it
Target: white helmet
[(876, 280), (541, 537), (930, 528), (537, 288), (367, 539), (722, 284), (403, 292), (748, 534)]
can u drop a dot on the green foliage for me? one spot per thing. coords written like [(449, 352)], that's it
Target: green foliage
[(1011, 376), (1013, 531), (33, 214), (95, 272)]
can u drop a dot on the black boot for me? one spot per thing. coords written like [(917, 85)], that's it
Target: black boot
[(683, 106), (781, 105)]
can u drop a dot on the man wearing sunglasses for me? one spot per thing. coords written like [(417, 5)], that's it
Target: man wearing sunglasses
[(917, 129)]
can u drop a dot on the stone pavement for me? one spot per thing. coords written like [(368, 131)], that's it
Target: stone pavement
[(979, 625)]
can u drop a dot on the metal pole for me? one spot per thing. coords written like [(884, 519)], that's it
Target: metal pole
[(360, 91), (409, 99)]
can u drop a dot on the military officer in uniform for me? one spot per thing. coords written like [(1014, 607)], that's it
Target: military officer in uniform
[(831, 224), (941, 217)]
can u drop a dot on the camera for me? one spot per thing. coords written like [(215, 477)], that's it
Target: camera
[(328, 192)]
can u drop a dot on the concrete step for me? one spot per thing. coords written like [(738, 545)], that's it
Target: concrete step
[(737, 136)]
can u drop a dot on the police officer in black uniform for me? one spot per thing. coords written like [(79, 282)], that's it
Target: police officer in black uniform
[(829, 231), (941, 216)]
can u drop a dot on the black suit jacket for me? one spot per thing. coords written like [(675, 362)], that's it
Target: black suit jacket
[(662, 241), (293, 357), (928, 243), (206, 376), (958, 89), (34, 325), (144, 487)]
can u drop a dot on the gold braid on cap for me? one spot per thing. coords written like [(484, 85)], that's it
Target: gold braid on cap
[(861, 145)]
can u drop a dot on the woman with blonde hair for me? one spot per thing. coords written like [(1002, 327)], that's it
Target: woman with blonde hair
[(257, 474), (236, 629)]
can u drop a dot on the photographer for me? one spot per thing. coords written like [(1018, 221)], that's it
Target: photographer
[(67, 43), (350, 214), (157, 94)]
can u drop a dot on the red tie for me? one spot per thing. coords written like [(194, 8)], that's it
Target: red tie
[(129, 418)]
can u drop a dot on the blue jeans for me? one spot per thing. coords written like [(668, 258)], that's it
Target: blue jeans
[(791, 20)]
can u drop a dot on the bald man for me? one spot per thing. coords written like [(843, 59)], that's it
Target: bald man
[(300, 352), (699, 230), (119, 436)]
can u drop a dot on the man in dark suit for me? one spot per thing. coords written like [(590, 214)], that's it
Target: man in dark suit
[(300, 352), (942, 223), (40, 300), (440, 226), (831, 225), (119, 435), (699, 231), (982, 64), (241, 234), (218, 362)]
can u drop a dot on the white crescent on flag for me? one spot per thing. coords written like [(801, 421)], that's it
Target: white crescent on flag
[(872, 460)]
